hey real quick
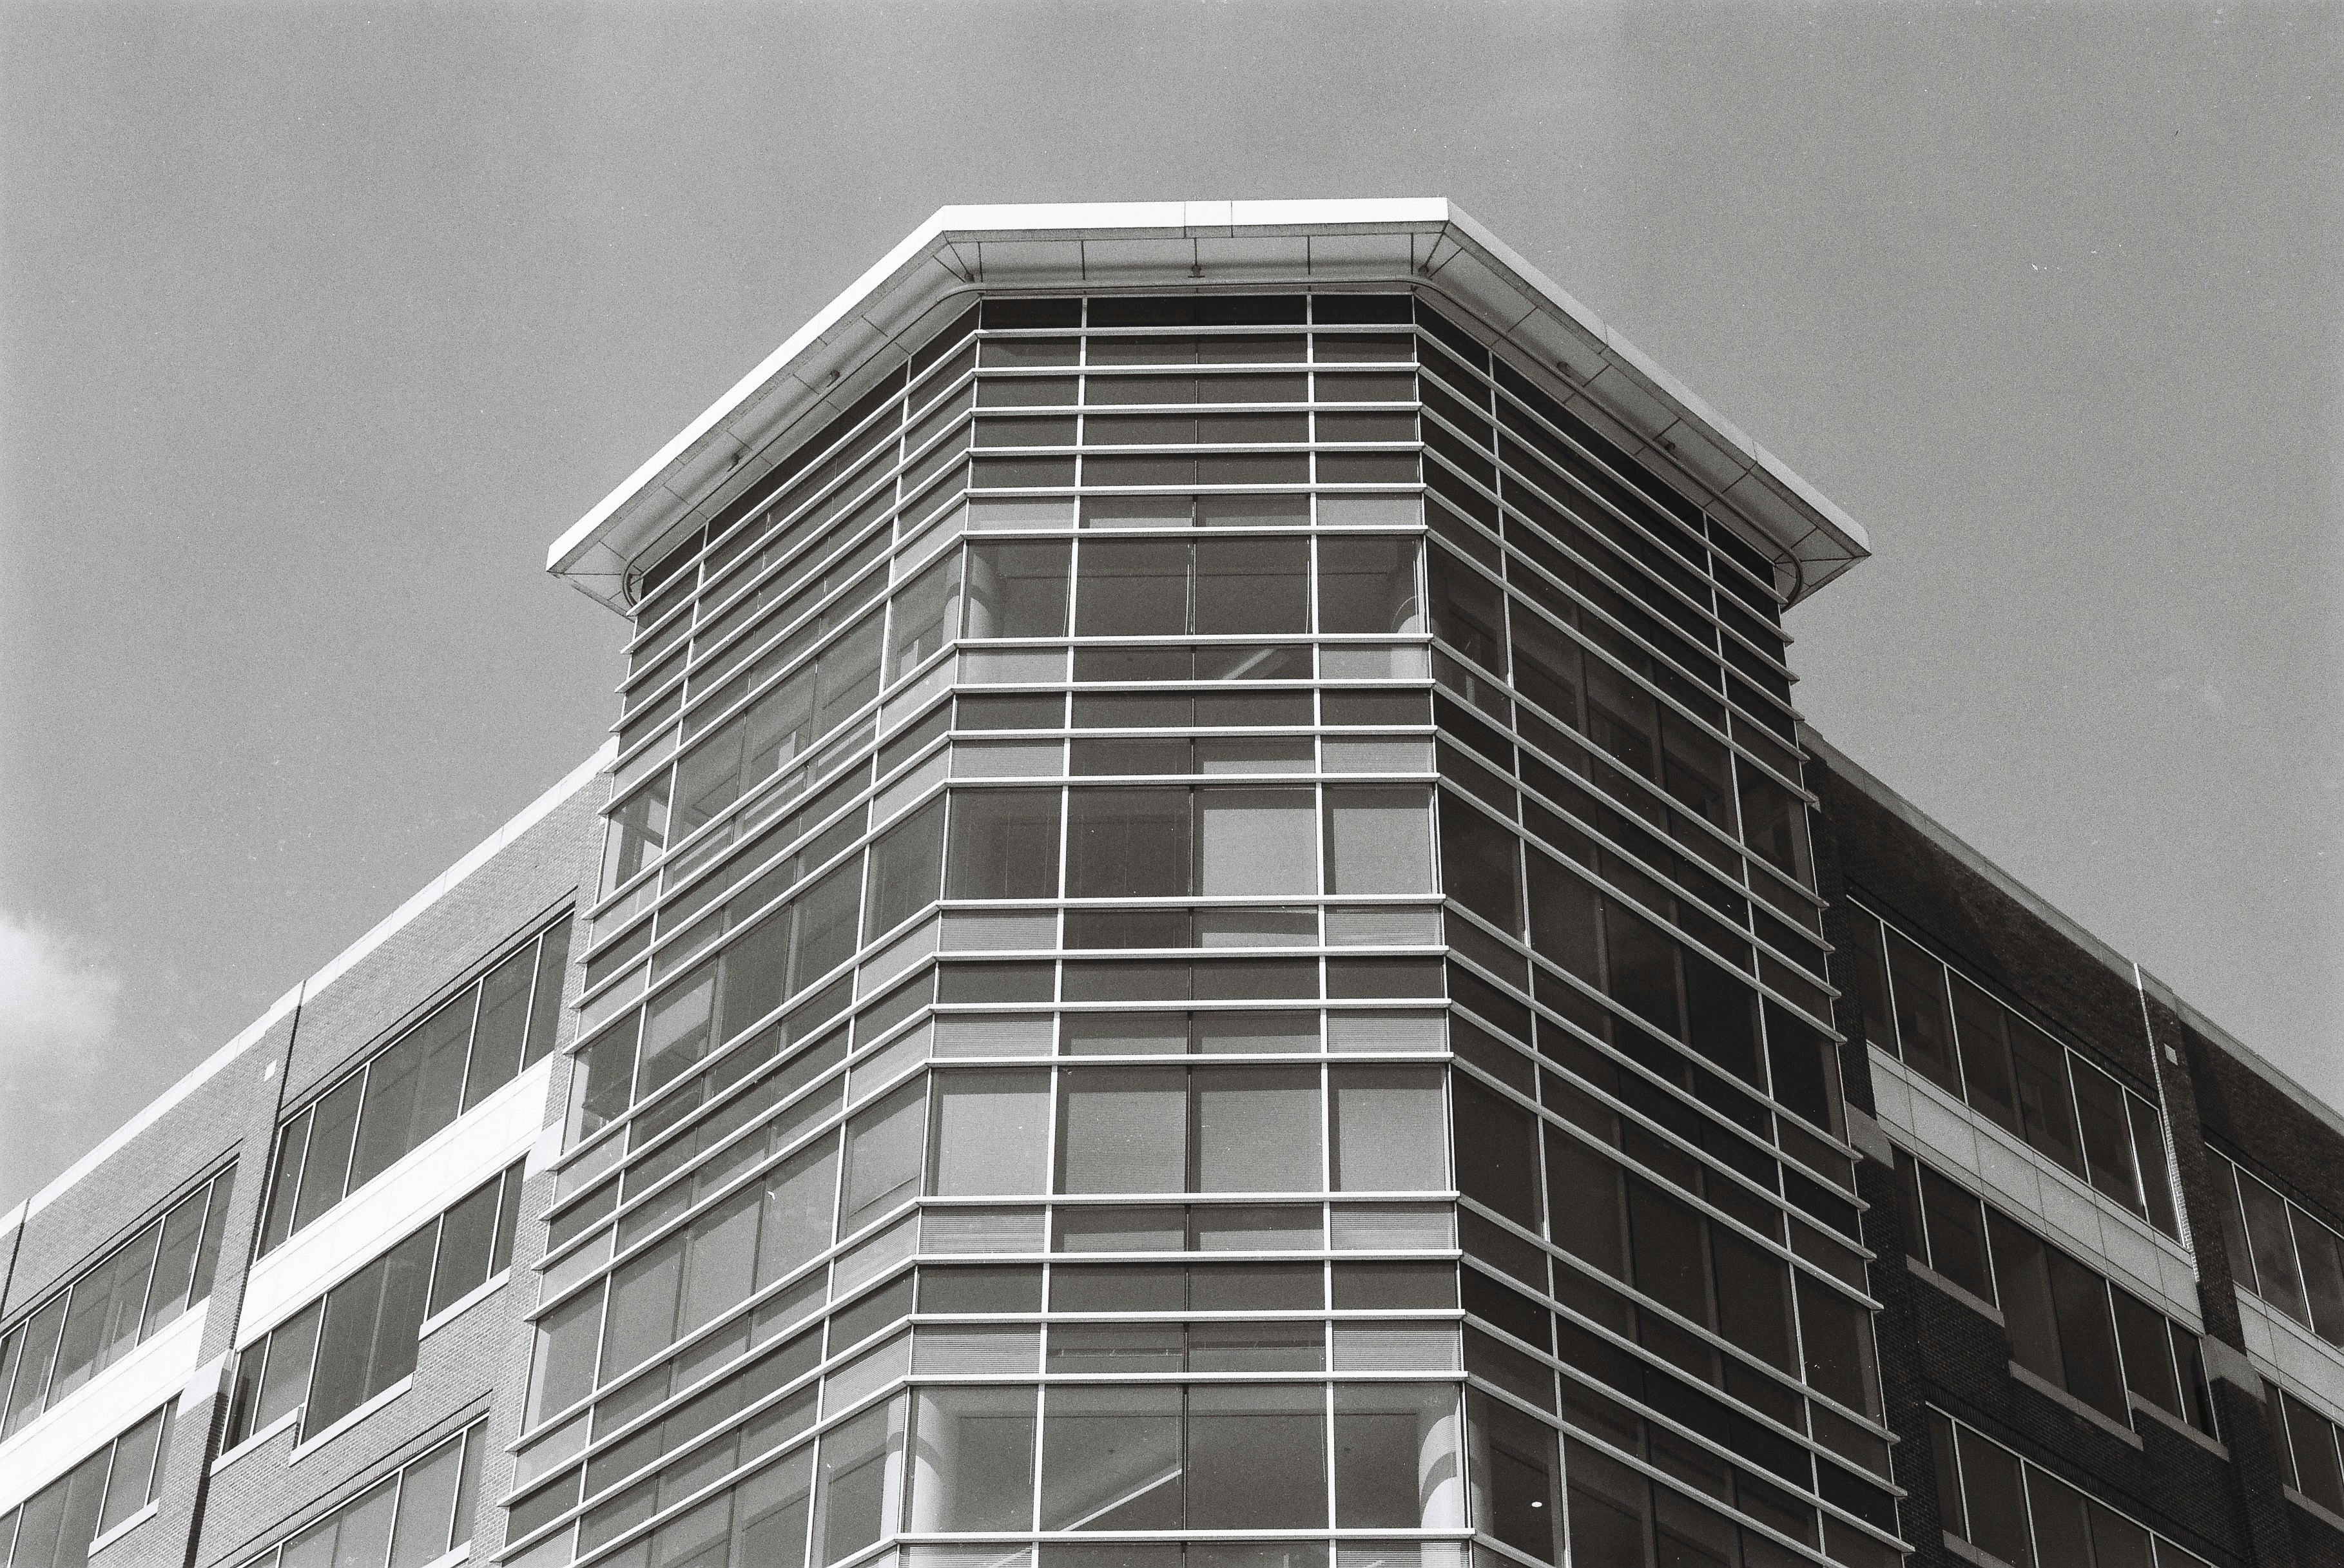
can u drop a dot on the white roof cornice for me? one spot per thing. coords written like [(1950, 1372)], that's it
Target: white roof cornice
[(963, 252)]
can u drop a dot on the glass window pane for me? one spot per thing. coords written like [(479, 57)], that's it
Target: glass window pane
[(1586, 1203), (769, 1519), (131, 1469), (2046, 1106), (1468, 611), (906, 868), (83, 1334), (800, 1197), (1864, 976), (1396, 1458), (1979, 1021), (2148, 1153), (468, 1233), (413, 1089), (1837, 1336), (2108, 1134), (851, 1500), (1368, 586), (720, 1261), (1774, 825), (2086, 1335), (1390, 1132), (1258, 1129), (1996, 1498), (2322, 1256), (215, 1225), (1256, 1457), (2063, 1530), (2118, 1542), (1378, 840), (1111, 1459), (1957, 1244), (1753, 1297), (2028, 1313), (1128, 844), (601, 1086), (1124, 1130), (1640, 968), (1004, 844), (1517, 1479), (561, 1371), (389, 1105), (497, 1036), (972, 1459), (2279, 1280), (1480, 865), (426, 1505), (680, 1029), (1497, 1151), (1609, 1507), (28, 1396), (333, 1126), (285, 1370), (883, 1146), (368, 1340), (2147, 1354), (545, 1006), (1133, 588), (642, 1321), (992, 1133), (1254, 842), (286, 1167), (1667, 1240), (2233, 1222), (919, 614), (2313, 1439), (1252, 587), (1016, 590), (1921, 1022)]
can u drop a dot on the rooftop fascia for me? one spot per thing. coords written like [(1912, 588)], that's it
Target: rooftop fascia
[(2129, 970), (342, 963), (963, 252)]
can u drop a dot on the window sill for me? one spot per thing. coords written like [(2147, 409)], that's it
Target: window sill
[(101, 1543), (1969, 1553), (311, 1444), (1978, 1304), (288, 1418), (2212, 1445), (2319, 1511), (464, 1303), (2098, 1418)]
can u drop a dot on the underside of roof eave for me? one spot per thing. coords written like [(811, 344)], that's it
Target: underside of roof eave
[(961, 252)]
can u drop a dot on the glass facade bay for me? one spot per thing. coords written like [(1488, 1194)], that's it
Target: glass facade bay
[(1206, 947)]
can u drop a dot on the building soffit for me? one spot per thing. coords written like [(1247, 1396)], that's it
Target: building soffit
[(963, 253)]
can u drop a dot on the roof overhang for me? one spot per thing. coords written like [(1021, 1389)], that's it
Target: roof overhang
[(963, 252)]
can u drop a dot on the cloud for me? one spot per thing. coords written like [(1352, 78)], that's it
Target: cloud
[(57, 1000)]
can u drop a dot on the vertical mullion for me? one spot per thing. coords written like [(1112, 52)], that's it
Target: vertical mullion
[(391, 1537), (2026, 1501), (106, 1487), (472, 1038), (357, 1126), (154, 1262)]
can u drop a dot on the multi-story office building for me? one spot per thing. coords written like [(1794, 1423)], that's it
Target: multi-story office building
[(1208, 934)]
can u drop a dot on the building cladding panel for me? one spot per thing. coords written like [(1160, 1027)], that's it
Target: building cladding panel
[(1209, 932)]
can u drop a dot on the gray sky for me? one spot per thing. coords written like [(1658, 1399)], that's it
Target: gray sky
[(318, 323)]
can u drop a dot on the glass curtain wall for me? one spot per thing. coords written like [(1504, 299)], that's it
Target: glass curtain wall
[(1028, 1067)]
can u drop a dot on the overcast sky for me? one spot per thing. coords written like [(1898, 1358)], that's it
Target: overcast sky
[(318, 323)]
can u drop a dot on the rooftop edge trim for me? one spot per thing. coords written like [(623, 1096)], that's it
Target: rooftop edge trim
[(334, 969), (711, 460), (2130, 971)]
